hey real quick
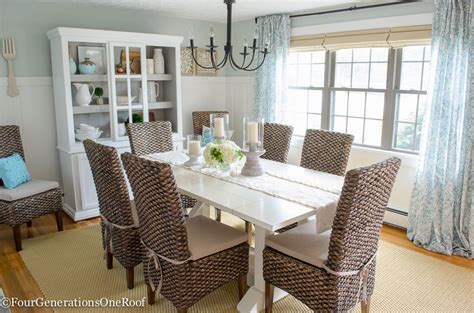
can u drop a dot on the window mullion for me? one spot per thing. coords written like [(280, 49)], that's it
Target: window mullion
[(329, 68), (393, 78)]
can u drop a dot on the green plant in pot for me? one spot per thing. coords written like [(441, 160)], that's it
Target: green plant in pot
[(136, 118), (99, 92)]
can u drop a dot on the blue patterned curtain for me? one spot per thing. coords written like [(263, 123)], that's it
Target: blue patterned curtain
[(440, 216), (270, 87)]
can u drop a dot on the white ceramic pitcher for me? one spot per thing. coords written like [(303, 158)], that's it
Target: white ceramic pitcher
[(153, 91), (83, 94)]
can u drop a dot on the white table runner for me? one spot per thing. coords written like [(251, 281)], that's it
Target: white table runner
[(306, 187)]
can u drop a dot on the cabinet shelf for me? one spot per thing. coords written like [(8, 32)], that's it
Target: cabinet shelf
[(91, 109), (89, 78), (151, 106), (160, 105), (159, 77), (124, 76)]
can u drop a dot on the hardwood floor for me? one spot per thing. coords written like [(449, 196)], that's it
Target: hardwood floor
[(16, 280)]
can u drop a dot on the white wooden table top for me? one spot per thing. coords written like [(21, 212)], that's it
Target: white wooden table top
[(266, 211)]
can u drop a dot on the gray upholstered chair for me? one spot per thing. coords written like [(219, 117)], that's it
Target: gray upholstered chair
[(326, 151), (334, 270), (185, 259), (154, 137), (276, 141), (119, 221), (30, 200)]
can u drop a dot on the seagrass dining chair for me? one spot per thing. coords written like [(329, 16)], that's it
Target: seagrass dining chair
[(276, 141), (30, 200), (154, 137), (334, 270), (326, 151), (119, 221), (203, 118), (186, 259)]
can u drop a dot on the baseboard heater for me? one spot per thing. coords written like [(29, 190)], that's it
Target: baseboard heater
[(396, 217)]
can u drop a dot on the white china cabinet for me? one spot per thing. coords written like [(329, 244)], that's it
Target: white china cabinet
[(129, 94)]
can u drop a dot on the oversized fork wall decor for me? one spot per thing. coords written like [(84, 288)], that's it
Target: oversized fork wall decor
[(9, 54)]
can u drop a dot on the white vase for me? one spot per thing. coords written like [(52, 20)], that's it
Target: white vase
[(72, 66), (150, 66), (122, 130), (159, 61)]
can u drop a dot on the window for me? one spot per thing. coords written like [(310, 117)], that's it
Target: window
[(376, 94), (358, 94), (305, 95), (411, 96)]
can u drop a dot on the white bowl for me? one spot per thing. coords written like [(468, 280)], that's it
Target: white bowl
[(123, 100), (86, 127), (82, 137), (87, 131)]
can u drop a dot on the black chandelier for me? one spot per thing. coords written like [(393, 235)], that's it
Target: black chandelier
[(228, 57)]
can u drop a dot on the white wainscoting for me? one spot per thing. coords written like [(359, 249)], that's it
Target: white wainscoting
[(33, 111)]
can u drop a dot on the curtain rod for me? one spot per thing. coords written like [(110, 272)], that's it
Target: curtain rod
[(353, 8)]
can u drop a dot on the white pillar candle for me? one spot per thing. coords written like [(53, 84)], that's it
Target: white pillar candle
[(252, 130), (219, 127), (194, 147)]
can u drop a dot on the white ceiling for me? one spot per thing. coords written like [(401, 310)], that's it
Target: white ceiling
[(215, 10)]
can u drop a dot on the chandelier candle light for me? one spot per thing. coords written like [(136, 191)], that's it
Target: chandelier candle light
[(228, 49), (194, 150), (253, 146)]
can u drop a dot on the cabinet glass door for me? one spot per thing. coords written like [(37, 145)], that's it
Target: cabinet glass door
[(128, 86)]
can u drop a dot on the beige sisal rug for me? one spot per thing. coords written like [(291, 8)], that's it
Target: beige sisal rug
[(69, 265)]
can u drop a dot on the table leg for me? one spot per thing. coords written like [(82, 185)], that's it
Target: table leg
[(254, 299)]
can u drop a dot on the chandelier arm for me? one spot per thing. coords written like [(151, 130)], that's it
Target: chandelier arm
[(251, 60), (256, 68), (201, 66), (234, 63), (221, 63)]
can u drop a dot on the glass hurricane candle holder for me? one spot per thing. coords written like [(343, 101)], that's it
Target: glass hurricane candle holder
[(219, 125), (194, 149), (253, 146), (253, 134)]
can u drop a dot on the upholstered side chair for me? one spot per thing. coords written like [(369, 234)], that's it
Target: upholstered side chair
[(326, 151), (186, 259), (276, 141), (30, 200), (119, 221), (335, 270), (154, 137), (203, 118)]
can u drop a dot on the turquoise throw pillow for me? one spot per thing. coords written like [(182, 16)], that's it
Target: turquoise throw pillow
[(206, 136), (13, 171)]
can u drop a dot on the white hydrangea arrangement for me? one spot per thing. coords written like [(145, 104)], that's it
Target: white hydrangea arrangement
[(222, 154)]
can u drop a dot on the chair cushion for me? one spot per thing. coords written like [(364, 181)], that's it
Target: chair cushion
[(31, 188), (302, 243), (13, 171), (206, 237)]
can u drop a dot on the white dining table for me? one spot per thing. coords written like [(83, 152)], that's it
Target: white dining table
[(266, 212)]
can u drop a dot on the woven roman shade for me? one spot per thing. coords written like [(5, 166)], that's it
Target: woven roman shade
[(375, 38), (307, 43), (410, 36)]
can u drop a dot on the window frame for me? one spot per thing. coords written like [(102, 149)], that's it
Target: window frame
[(391, 92)]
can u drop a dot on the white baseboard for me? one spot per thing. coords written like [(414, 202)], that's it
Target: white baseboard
[(81, 215)]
